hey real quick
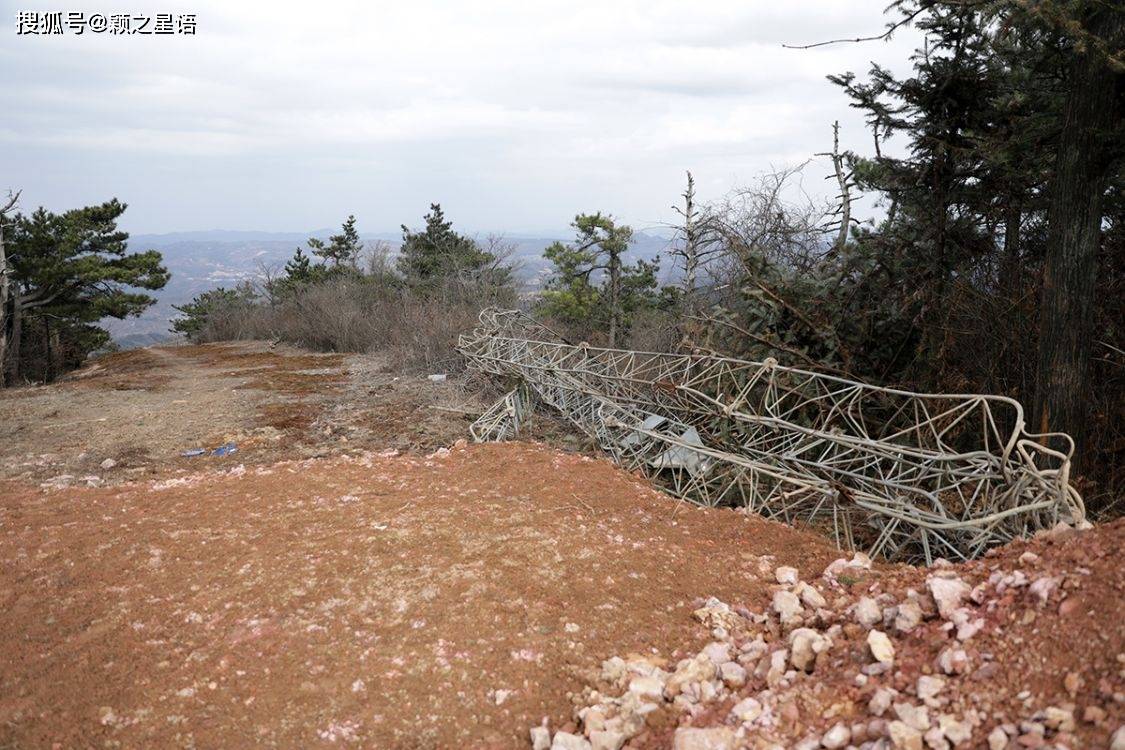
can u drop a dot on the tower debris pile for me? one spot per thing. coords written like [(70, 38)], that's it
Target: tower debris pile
[(908, 476)]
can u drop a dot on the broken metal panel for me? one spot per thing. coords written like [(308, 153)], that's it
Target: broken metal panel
[(906, 475)]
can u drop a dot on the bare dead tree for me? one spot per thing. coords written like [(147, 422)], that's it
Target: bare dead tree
[(689, 251), (760, 223), (768, 236), (696, 243), (5, 285), (841, 218), (376, 257)]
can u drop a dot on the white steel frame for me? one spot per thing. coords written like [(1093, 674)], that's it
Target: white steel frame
[(909, 476)]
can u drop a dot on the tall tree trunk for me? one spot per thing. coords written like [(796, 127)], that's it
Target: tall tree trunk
[(51, 339), (1010, 269), (1090, 114), (691, 247), (15, 341), (845, 189), (5, 288), (614, 296), (5, 294)]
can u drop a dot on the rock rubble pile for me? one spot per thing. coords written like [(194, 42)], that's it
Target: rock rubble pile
[(899, 658)]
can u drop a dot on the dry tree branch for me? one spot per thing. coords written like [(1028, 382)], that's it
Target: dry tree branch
[(875, 38)]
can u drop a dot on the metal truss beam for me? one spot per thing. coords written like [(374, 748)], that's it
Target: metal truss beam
[(908, 476)]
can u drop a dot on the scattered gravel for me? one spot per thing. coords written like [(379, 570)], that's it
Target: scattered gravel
[(910, 659)]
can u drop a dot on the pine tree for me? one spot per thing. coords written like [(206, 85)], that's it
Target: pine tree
[(194, 315), (592, 285), (439, 253), (298, 269), (341, 250), (1014, 120), (76, 269)]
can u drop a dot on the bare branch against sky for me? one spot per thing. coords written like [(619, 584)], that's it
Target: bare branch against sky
[(513, 115)]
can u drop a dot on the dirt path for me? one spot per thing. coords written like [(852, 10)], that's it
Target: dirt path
[(137, 412)]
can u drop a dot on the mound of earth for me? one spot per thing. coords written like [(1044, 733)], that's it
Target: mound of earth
[(1022, 649), (388, 601)]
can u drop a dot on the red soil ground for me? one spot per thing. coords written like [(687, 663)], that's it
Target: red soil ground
[(399, 602)]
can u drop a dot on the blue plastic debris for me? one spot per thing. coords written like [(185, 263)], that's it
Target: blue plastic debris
[(225, 450), (193, 453)]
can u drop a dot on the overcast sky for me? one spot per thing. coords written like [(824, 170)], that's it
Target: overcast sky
[(513, 115)]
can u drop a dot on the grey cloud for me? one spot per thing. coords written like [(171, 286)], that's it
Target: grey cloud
[(514, 115)]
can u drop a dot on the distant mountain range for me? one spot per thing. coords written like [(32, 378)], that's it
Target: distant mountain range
[(200, 261)]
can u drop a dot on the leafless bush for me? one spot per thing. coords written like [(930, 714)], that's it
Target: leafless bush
[(773, 221), (654, 331), (361, 314)]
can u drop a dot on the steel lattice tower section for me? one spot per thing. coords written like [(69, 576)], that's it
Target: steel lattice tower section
[(908, 476)]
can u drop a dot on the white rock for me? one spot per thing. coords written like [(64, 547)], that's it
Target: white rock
[(733, 674), (805, 644), (867, 612), (568, 741), (785, 575), (613, 669), (953, 660), (881, 647), (810, 597), (777, 662), (935, 739), (109, 463), (908, 616), (904, 736), (1043, 587), (956, 731), (1117, 741), (593, 718), (747, 709), (717, 614), (711, 738), (717, 652), (697, 669), (860, 560), (998, 739), (948, 593), (834, 568), (837, 736), (607, 740), (540, 738), (969, 629), (917, 717), (1059, 719), (859, 563), (647, 688), (929, 686), (880, 701), (787, 606), (752, 651)]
